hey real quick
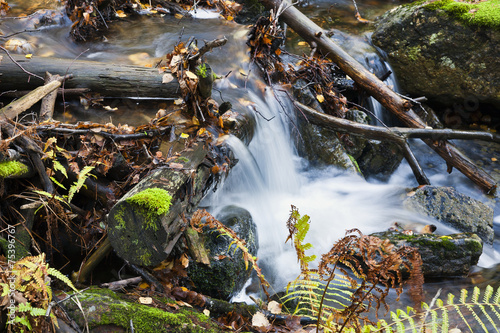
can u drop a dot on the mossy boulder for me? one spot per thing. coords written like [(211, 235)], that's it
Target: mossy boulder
[(442, 256), (227, 272), (445, 50), (106, 311), (454, 209)]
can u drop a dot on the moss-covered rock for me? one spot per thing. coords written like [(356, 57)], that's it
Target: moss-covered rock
[(442, 256), (227, 272), (445, 50), (105, 308), (452, 208)]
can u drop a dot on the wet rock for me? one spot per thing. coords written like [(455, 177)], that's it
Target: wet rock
[(444, 50), (452, 208), (442, 256), (226, 274)]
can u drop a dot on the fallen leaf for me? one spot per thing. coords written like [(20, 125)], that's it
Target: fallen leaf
[(260, 320), (274, 307), (206, 312), (493, 159), (178, 101), (29, 56), (145, 300), (176, 166), (320, 98), (302, 43), (184, 260), (120, 13), (191, 75), (167, 78), (184, 135)]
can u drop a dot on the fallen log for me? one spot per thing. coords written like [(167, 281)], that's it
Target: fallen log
[(114, 80), (146, 223), (317, 38)]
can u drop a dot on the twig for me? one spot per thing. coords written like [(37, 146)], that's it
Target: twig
[(18, 65)]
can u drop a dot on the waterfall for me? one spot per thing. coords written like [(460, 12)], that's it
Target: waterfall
[(270, 177)]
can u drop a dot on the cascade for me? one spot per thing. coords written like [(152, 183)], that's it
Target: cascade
[(270, 177)]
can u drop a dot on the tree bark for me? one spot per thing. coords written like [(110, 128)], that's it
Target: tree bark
[(317, 37), (112, 80), (147, 238)]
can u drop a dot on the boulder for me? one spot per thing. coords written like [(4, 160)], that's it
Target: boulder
[(226, 272), (442, 256), (454, 209), (445, 50)]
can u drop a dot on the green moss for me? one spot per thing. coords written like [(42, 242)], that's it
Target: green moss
[(414, 53), (120, 312), (486, 13), (153, 202), (12, 168)]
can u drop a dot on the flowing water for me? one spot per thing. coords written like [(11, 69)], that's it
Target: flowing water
[(269, 176)]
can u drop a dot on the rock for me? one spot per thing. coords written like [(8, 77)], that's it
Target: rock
[(452, 208), (379, 159), (445, 50), (226, 274), (442, 256)]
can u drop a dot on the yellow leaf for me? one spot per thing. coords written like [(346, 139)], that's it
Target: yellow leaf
[(493, 159), (278, 51), (230, 18), (120, 13), (144, 285), (320, 98), (302, 43), (29, 56), (184, 135), (178, 16), (195, 121)]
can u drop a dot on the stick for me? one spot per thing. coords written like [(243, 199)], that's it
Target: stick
[(312, 33)]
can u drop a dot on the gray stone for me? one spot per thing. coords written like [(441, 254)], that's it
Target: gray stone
[(227, 272), (437, 54), (442, 256), (452, 208)]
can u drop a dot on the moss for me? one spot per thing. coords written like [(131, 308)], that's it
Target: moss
[(153, 202), (486, 13), (414, 53), (104, 307), (12, 168)]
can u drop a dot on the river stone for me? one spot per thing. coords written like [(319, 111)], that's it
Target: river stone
[(226, 274), (452, 208), (442, 54), (442, 256)]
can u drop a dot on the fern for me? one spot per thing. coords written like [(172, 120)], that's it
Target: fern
[(472, 314), (31, 278)]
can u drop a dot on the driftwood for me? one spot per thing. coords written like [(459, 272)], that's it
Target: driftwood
[(318, 39), (399, 135), (143, 234), (114, 80)]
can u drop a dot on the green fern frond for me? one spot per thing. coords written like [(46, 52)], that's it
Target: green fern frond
[(82, 177), (54, 272), (475, 312)]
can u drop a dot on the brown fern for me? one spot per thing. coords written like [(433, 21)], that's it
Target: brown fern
[(213, 223)]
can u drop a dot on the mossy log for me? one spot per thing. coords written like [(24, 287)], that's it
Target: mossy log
[(114, 80), (145, 224)]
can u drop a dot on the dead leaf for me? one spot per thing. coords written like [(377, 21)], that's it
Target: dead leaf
[(274, 307), (145, 300), (260, 320), (191, 75), (167, 78), (320, 98), (176, 166), (206, 312), (184, 260)]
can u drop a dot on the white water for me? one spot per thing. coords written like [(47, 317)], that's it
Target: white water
[(270, 177)]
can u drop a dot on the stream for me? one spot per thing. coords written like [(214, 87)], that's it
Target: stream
[(270, 176)]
